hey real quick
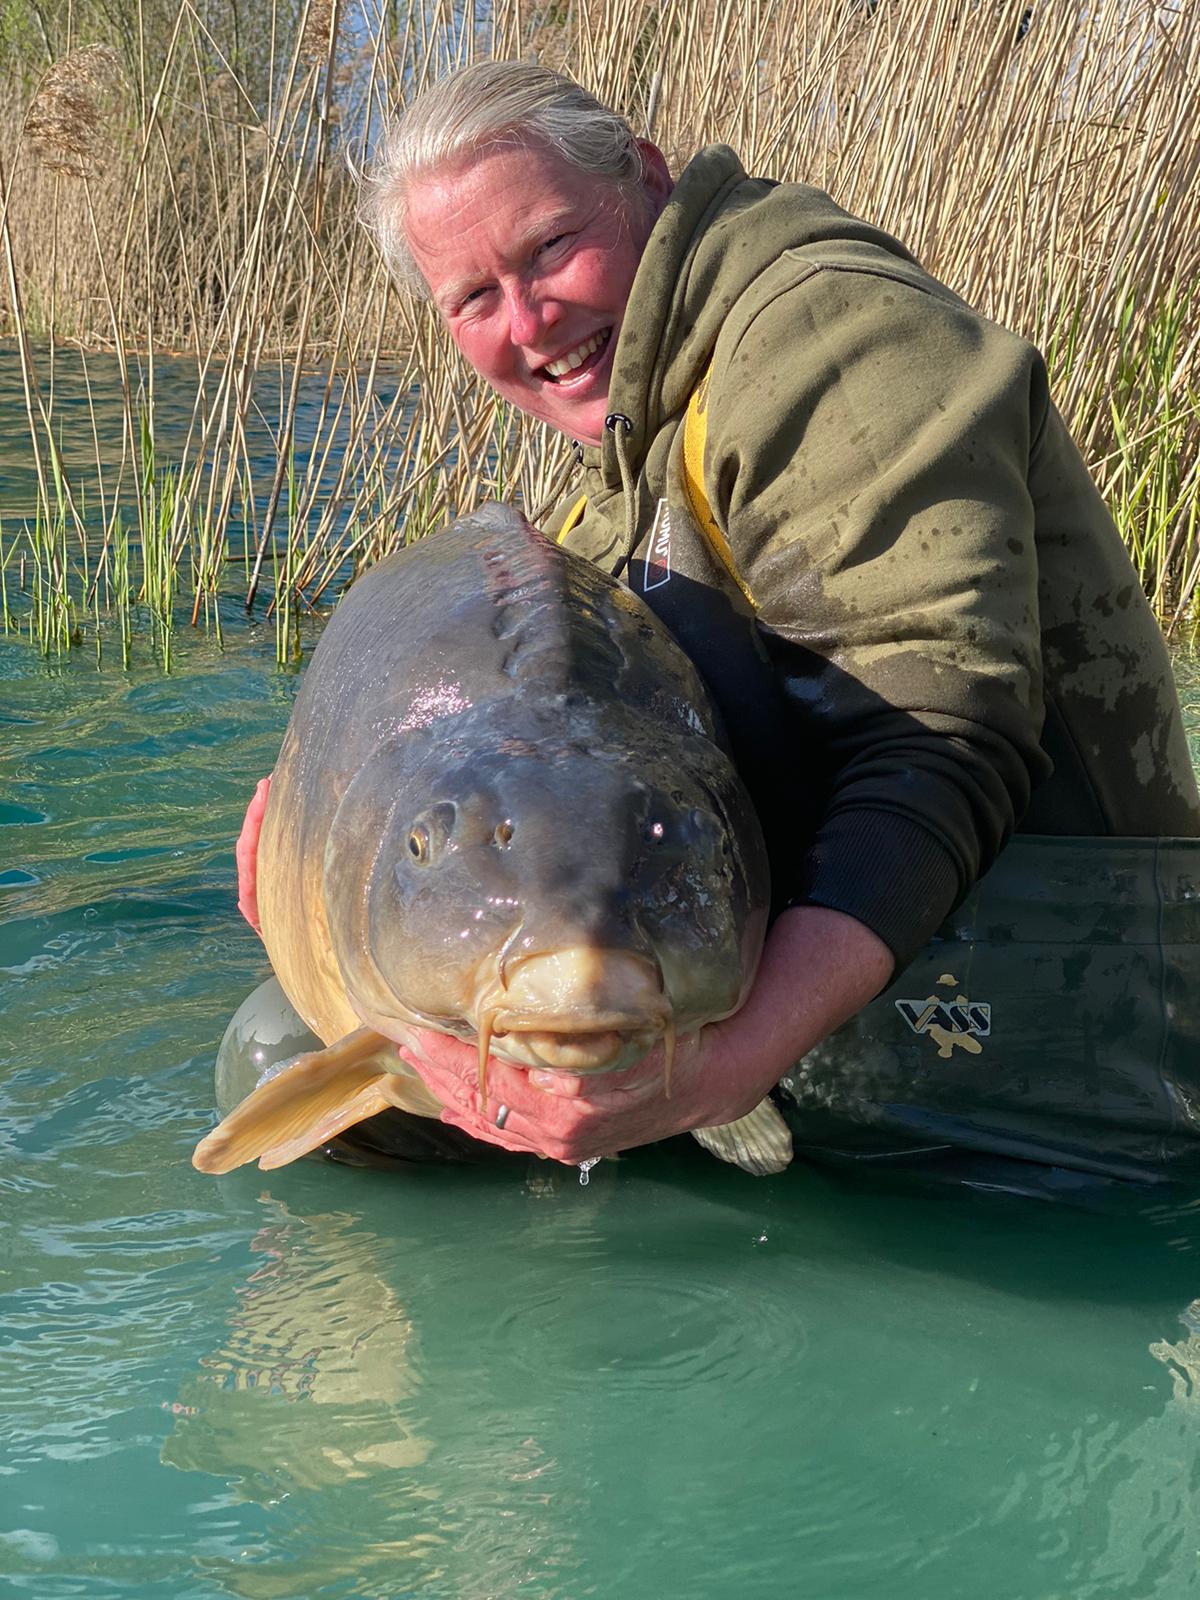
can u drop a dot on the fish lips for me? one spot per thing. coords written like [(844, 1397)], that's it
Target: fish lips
[(580, 1045)]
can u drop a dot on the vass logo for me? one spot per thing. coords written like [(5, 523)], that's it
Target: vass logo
[(959, 1023), (959, 1016)]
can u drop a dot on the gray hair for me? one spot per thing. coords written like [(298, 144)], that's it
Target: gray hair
[(493, 103)]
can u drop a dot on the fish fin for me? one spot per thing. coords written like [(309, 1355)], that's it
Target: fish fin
[(406, 1090), (304, 1102), (368, 1102), (760, 1142), (393, 1090)]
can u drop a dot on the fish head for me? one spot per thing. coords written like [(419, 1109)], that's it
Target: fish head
[(568, 906)]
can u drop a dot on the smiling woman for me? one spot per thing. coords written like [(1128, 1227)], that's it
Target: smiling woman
[(853, 502), (530, 261)]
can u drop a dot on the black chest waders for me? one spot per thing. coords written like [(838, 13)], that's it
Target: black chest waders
[(1053, 1023), (1055, 1018)]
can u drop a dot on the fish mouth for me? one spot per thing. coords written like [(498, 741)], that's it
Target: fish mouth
[(578, 1010), (562, 1045)]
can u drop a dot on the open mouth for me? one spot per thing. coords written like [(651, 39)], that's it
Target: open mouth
[(598, 1046), (599, 1042), (579, 1004), (579, 361)]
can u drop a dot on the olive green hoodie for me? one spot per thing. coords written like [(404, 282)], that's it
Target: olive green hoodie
[(913, 608)]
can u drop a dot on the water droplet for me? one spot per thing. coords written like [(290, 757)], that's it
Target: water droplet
[(585, 1168)]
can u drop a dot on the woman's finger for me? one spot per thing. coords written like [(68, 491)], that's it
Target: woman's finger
[(246, 854), (507, 1137)]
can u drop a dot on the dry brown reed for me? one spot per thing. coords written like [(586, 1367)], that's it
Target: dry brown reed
[(65, 121), (318, 31), (1040, 158)]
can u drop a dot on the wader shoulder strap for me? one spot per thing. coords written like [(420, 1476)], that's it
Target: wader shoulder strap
[(695, 432), (572, 519)]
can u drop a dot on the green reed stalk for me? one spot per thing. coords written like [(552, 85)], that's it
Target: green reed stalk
[(160, 572), (8, 621), (284, 606), (122, 590)]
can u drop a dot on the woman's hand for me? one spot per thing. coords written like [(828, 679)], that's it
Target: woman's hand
[(819, 967), (246, 854), (572, 1117)]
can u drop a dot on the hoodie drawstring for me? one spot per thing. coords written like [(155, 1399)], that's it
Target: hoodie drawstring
[(621, 427)]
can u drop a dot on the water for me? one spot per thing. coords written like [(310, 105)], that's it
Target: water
[(676, 1381), (89, 425)]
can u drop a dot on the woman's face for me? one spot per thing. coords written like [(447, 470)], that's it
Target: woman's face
[(530, 262)]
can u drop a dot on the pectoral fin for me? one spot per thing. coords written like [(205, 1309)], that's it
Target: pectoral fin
[(305, 1102), (760, 1142)]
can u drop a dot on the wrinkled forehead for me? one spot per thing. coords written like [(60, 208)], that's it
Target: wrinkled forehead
[(508, 191)]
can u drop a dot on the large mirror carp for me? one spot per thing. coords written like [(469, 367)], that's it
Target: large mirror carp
[(503, 810)]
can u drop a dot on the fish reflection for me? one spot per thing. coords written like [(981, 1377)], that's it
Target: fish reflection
[(313, 1380), (1182, 1358), (372, 1471)]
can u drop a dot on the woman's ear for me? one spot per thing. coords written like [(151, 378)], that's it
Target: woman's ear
[(656, 175)]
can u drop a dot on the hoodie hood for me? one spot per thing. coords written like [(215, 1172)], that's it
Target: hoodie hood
[(704, 253)]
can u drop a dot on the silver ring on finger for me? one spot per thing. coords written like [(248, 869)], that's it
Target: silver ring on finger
[(501, 1116)]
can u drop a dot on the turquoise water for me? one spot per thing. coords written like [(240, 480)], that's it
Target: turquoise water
[(677, 1381)]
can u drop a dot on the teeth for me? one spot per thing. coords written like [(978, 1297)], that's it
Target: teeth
[(575, 358)]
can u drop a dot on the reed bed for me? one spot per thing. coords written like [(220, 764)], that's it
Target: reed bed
[(177, 195)]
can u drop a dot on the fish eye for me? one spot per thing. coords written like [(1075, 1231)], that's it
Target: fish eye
[(418, 845)]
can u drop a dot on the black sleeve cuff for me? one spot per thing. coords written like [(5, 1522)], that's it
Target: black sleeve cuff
[(885, 871)]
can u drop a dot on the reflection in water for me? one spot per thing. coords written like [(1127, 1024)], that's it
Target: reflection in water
[(317, 1361), (1149, 1485), (320, 1407), (310, 1391), (1182, 1359)]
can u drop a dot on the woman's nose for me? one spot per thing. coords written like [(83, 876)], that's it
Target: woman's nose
[(530, 314)]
